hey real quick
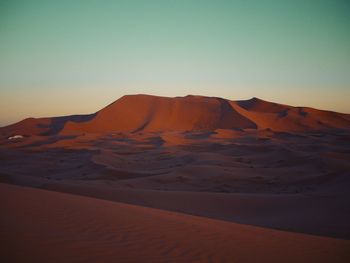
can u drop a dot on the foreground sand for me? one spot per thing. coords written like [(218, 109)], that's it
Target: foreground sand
[(43, 226), (321, 214)]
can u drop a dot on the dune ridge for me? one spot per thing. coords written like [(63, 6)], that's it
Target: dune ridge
[(152, 113), (135, 113)]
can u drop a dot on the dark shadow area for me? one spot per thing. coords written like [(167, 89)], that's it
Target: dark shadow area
[(58, 123)]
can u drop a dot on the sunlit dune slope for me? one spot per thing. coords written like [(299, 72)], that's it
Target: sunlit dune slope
[(151, 113), (133, 113)]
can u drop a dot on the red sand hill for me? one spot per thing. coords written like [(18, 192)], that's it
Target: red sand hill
[(279, 117), (134, 113), (151, 113)]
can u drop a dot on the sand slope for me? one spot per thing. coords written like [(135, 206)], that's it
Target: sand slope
[(290, 212), (134, 113), (279, 117), (42, 126), (42, 226), (153, 113)]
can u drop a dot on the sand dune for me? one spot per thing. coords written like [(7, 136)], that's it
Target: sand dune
[(251, 162), (271, 179), (42, 126), (278, 117), (152, 113), (41, 226), (291, 212), (258, 105), (134, 113)]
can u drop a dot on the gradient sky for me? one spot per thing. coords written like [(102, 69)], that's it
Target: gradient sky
[(68, 56)]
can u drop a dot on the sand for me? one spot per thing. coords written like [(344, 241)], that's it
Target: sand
[(289, 212), (43, 226), (185, 179), (135, 113)]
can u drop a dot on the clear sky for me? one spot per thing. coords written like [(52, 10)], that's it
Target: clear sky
[(69, 56)]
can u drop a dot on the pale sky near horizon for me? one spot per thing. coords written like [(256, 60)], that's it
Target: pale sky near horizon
[(76, 56)]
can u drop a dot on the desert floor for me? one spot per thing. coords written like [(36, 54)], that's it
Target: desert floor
[(223, 196)]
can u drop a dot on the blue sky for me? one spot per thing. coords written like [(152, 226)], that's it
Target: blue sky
[(66, 57)]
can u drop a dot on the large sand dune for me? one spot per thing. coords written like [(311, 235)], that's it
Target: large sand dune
[(147, 113), (151, 113), (41, 226)]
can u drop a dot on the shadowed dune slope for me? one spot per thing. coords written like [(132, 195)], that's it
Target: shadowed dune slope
[(29, 126), (42, 226), (42, 126), (133, 113), (258, 105)]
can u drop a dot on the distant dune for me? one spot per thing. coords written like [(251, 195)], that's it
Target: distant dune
[(278, 117), (151, 113), (43, 126), (133, 113)]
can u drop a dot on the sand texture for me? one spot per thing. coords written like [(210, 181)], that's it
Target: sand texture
[(56, 227)]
